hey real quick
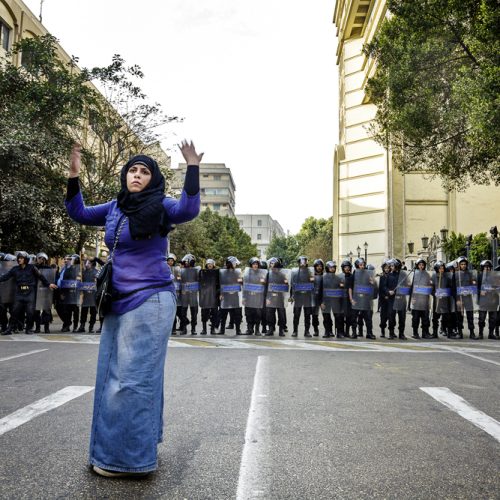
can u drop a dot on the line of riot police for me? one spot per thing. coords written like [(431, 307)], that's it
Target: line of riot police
[(345, 300), (29, 287)]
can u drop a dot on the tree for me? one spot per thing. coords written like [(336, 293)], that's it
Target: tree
[(436, 89), (455, 246), (46, 104), (286, 248), (213, 236), (315, 238)]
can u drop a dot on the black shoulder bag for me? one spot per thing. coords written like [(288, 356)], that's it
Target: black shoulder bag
[(104, 293)]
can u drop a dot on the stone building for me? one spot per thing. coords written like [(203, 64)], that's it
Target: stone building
[(373, 202), (217, 187), (261, 228)]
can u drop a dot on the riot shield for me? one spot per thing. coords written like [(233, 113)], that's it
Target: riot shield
[(7, 288), (44, 293), (88, 287), (421, 291), (364, 289), (278, 282), (209, 284), (230, 288), (466, 286), (443, 296), (303, 286), (402, 291), (318, 283), (190, 286), (69, 289), (489, 297), (333, 293), (176, 272), (254, 287)]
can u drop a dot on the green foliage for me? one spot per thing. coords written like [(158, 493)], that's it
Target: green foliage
[(437, 87), (480, 248), (315, 238), (46, 105), (213, 236), (286, 248)]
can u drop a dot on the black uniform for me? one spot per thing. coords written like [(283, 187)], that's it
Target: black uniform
[(209, 299), (24, 302)]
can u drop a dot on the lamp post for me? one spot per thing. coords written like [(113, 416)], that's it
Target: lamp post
[(468, 241), (425, 242), (366, 252), (350, 254), (359, 251), (494, 246)]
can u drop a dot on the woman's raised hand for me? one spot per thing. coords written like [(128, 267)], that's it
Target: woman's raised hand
[(189, 152), (75, 161)]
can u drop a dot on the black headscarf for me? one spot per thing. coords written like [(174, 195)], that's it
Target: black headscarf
[(144, 209)]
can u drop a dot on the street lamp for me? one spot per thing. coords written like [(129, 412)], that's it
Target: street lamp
[(350, 254), (444, 234), (494, 245), (359, 251), (468, 241), (366, 252), (425, 242), (411, 247)]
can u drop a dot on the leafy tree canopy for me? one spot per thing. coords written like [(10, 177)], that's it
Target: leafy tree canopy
[(47, 104), (480, 248), (437, 88), (213, 236)]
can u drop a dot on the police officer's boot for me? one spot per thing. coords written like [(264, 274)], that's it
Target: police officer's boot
[(212, 329), (415, 334), (316, 331), (249, 330), (391, 334), (306, 333), (460, 334), (281, 332), (82, 328), (354, 334), (434, 333), (382, 333), (91, 327), (238, 329), (425, 334), (46, 328), (257, 331), (222, 329), (402, 336), (204, 328)]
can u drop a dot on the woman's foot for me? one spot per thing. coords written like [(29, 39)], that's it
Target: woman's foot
[(114, 473)]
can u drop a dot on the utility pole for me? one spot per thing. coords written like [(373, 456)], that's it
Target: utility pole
[(41, 6)]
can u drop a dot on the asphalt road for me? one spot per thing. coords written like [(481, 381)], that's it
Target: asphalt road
[(327, 420)]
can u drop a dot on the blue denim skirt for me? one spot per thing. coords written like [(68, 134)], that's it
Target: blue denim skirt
[(127, 422)]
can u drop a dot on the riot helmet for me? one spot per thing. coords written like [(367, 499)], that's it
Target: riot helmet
[(318, 262), (462, 260), (42, 255), (420, 261), (275, 262), (171, 256), (385, 263), (232, 262), (450, 267), (370, 267), (210, 262), (331, 266), (9, 257), (358, 262), (346, 263), (253, 260), (438, 264), (486, 263), (22, 255), (263, 264), (75, 259), (188, 260), (302, 261)]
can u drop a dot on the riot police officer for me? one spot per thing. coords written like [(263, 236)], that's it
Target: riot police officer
[(361, 294), (488, 285), (302, 295), (209, 297), (421, 291), (25, 276), (254, 287), (383, 301), (230, 285), (465, 293), (189, 293)]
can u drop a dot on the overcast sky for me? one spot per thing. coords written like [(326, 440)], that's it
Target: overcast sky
[(256, 82)]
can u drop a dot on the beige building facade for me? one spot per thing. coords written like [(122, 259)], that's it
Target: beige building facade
[(373, 202), (261, 228), (217, 187)]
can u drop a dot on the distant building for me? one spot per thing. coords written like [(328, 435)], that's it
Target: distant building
[(216, 185), (261, 228)]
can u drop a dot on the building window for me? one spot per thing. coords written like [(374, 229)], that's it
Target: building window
[(259, 236), (4, 35), (216, 191), (216, 206), (259, 222), (216, 177), (205, 175)]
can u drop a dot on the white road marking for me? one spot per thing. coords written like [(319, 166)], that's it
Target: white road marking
[(460, 351), (22, 354), (254, 479), (465, 410), (41, 406)]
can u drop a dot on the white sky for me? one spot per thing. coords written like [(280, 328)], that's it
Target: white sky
[(256, 82)]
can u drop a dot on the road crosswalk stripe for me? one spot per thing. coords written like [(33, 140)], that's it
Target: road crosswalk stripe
[(41, 406), (459, 405), (22, 354)]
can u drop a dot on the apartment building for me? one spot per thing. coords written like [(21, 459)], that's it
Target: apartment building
[(261, 228)]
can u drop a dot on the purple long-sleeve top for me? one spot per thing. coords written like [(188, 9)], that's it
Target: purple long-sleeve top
[(136, 263)]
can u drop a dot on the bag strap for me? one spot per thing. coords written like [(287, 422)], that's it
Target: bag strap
[(118, 231)]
